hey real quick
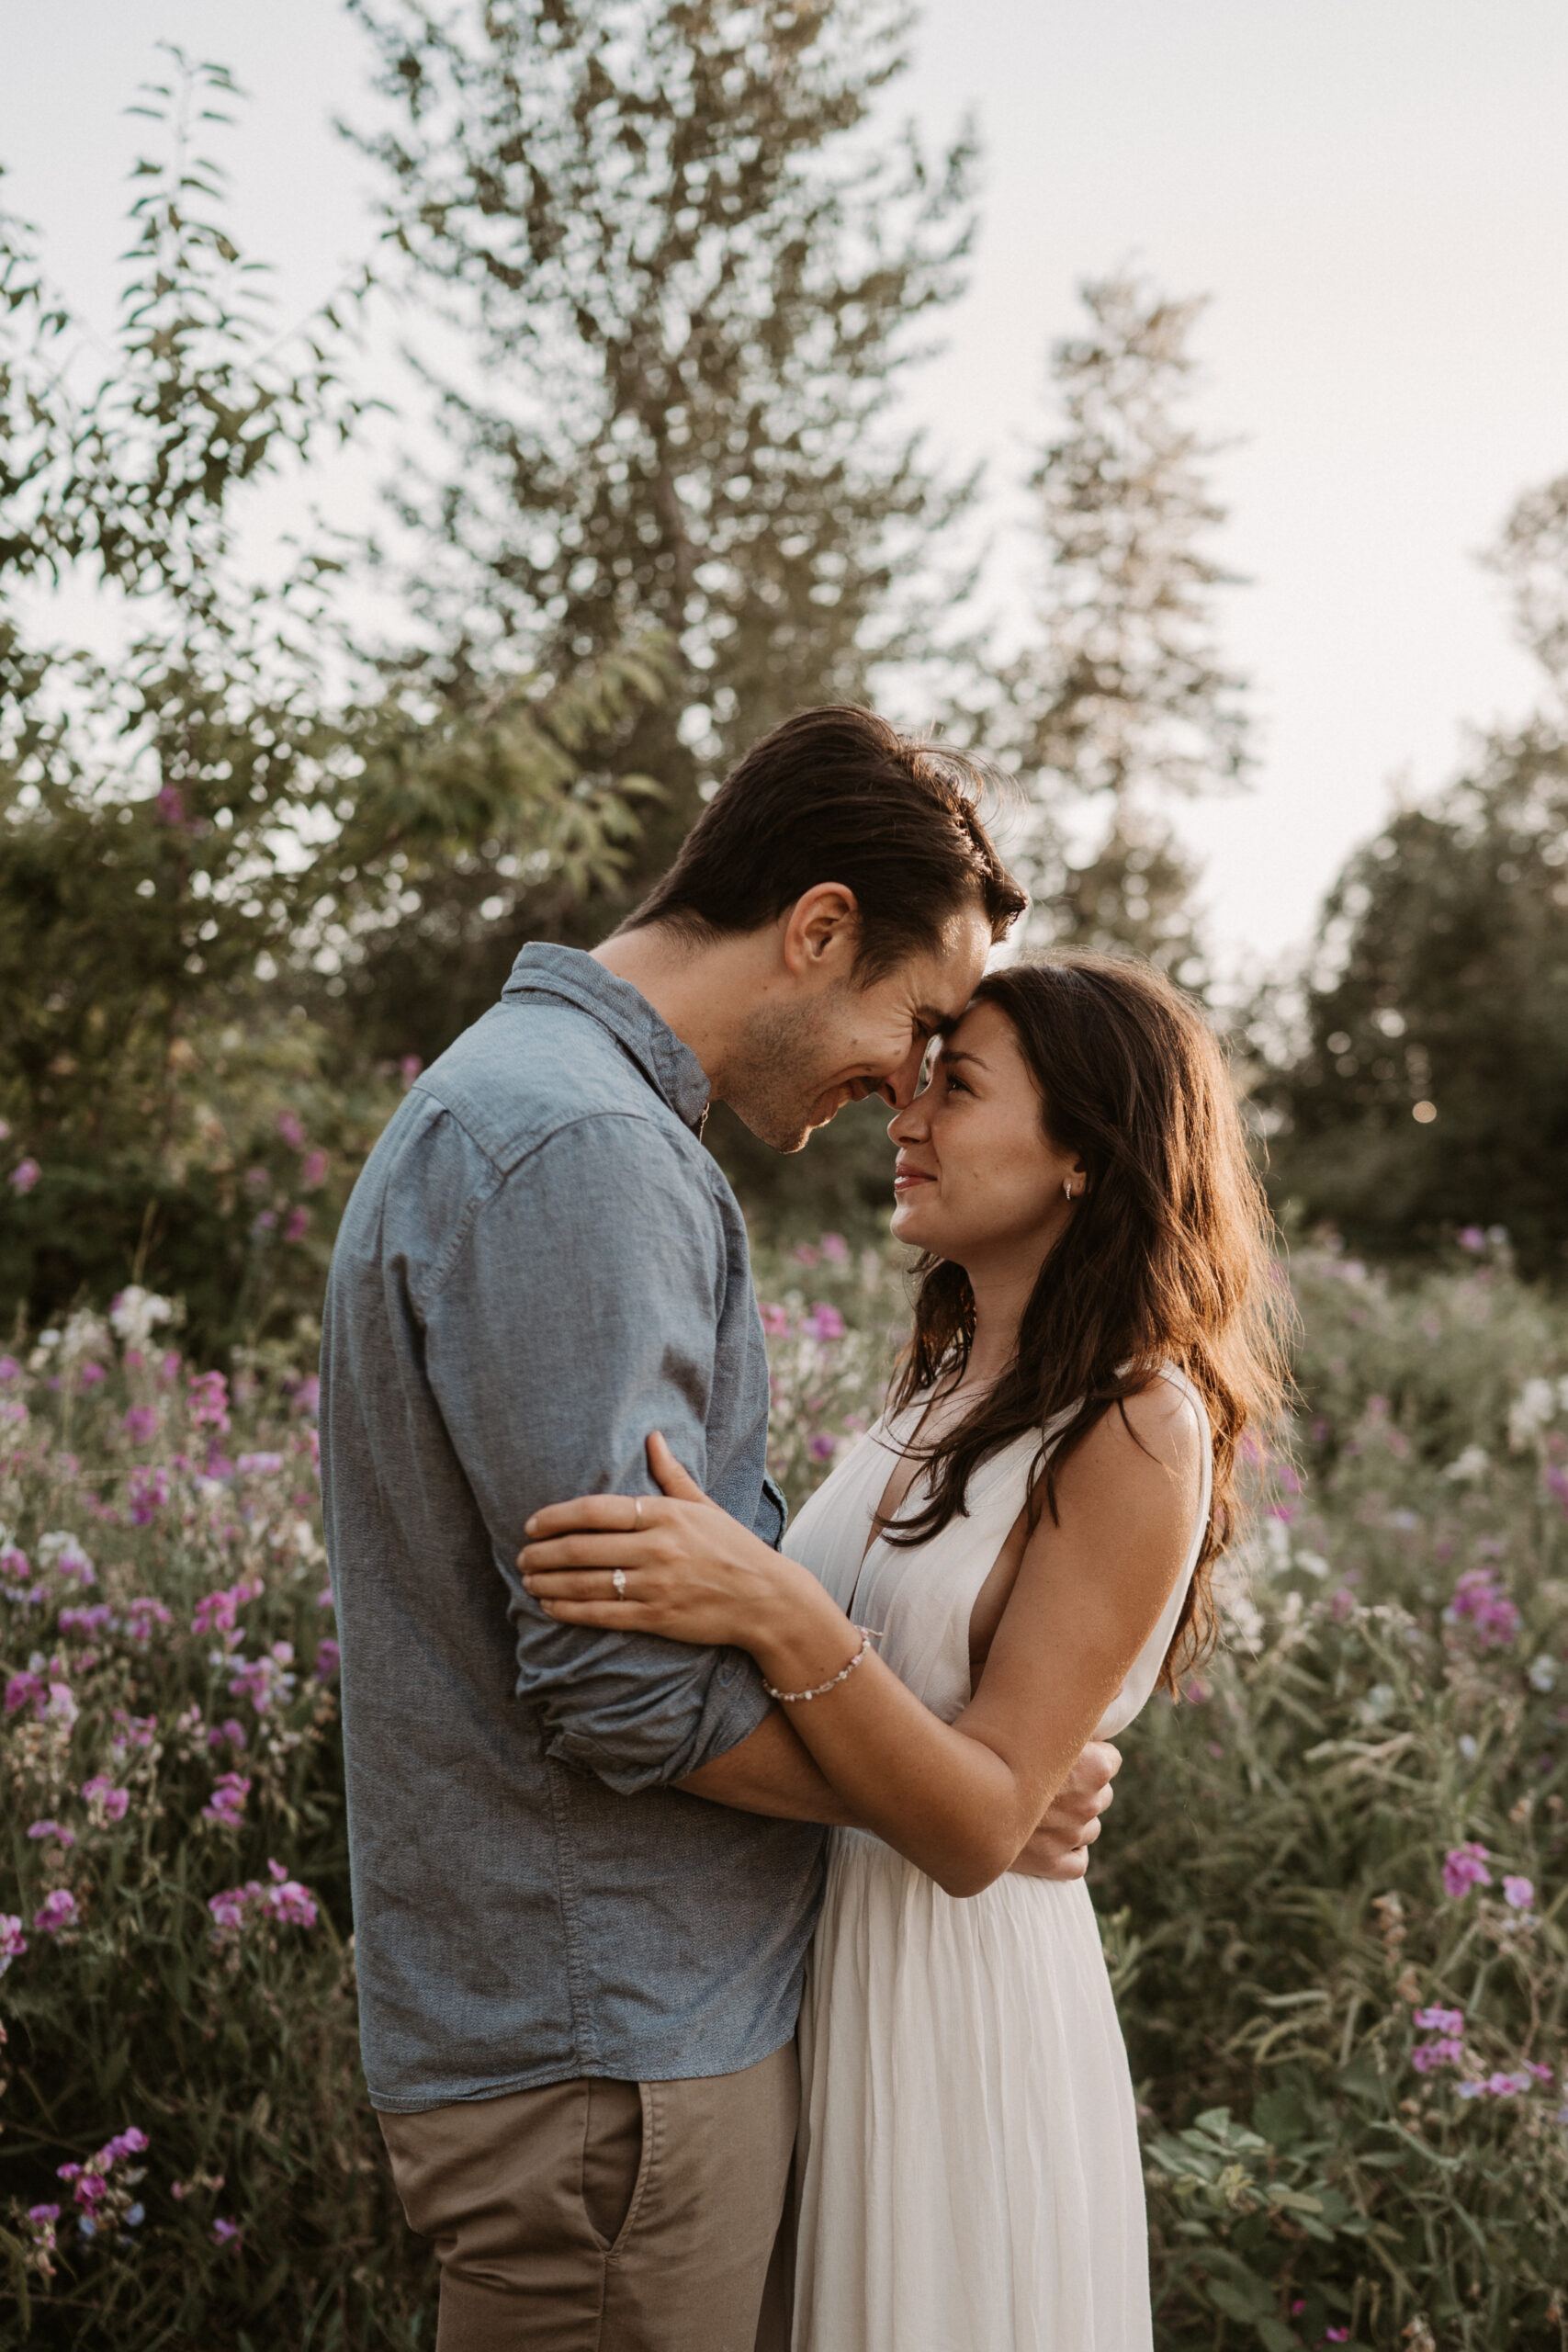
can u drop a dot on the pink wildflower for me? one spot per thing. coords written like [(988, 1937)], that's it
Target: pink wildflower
[(215, 1611), (147, 1492), (15, 1565), (298, 1225), (824, 1322), (1464, 1867), (57, 1912), (1517, 1893), (27, 1689), (1440, 2020), (285, 1901), (141, 1424), (821, 1446), (13, 1943), (209, 1399), (1481, 1601), (227, 1803), (263, 1679), (41, 1829), (312, 1170), (1426, 2056), (835, 1249), (142, 1614), (258, 1466), (102, 1796), (25, 1175), (230, 1733), (289, 1128), (87, 1623), (226, 2232), (329, 1658)]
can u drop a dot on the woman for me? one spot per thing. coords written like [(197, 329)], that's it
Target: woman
[(1027, 1536)]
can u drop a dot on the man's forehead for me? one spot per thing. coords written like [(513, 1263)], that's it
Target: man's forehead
[(943, 982)]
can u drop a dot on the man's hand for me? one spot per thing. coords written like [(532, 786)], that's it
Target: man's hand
[(1059, 1847)]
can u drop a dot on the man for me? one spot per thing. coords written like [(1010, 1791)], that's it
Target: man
[(586, 1867)]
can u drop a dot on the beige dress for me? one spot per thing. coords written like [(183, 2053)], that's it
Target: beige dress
[(968, 2155)]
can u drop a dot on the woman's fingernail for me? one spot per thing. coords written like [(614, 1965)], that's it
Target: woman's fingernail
[(529, 1525)]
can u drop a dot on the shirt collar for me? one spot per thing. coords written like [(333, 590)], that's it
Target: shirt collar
[(670, 1066)]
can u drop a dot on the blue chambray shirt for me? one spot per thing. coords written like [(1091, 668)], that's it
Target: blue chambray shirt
[(539, 1264)]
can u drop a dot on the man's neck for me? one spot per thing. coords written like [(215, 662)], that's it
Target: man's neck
[(704, 993)]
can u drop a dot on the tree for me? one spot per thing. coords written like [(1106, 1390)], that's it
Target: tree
[(687, 285), (198, 834), (1123, 701), (1432, 1095)]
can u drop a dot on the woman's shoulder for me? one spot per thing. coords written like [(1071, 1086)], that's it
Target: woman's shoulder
[(1165, 1419)]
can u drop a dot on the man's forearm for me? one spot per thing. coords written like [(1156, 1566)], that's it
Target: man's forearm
[(769, 1772)]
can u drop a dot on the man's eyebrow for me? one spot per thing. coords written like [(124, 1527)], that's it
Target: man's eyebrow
[(932, 1020)]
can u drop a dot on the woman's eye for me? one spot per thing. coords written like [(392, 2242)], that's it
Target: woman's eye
[(958, 1083)]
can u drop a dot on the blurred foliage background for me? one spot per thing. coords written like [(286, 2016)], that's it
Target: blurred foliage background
[(259, 860)]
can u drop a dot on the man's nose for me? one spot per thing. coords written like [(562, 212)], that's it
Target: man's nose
[(901, 1085)]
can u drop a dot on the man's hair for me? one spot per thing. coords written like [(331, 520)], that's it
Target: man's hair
[(838, 795)]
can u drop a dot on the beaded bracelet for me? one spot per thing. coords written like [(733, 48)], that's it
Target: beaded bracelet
[(793, 1698)]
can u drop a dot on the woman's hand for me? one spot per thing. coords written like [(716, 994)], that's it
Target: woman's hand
[(690, 1571)]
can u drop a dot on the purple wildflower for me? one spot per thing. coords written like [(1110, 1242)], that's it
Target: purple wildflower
[(41, 1829), (25, 1175), (1517, 1893), (263, 1679), (1480, 1600), (1426, 2056), (101, 1794), (13, 1943), (329, 1658), (147, 1492), (58, 1911), (141, 1424), (209, 1399), (1464, 1867), (226, 2232), (227, 1803), (1440, 2020)]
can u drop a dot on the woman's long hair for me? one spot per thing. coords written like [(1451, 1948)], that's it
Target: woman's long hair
[(1166, 1258)]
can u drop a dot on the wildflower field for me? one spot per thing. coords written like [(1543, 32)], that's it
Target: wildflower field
[(1332, 1887)]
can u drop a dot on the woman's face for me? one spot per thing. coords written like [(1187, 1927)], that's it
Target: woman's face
[(979, 1181)]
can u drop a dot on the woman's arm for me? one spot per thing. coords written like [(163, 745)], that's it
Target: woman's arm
[(961, 1800)]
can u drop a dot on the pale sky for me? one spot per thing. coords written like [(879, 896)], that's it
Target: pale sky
[(1374, 193)]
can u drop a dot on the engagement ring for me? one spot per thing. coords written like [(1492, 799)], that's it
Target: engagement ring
[(619, 1581)]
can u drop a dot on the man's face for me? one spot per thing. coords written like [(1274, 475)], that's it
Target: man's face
[(804, 1058)]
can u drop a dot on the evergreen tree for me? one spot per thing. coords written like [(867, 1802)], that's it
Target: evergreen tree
[(1432, 1093), (1123, 701), (688, 278)]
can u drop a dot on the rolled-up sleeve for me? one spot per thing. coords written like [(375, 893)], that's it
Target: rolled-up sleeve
[(578, 1313)]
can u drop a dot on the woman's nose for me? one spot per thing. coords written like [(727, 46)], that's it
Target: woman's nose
[(910, 1125)]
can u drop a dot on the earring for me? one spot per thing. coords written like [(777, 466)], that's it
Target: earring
[(1067, 1187)]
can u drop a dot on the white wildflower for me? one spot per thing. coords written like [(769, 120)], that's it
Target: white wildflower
[(1470, 1466), (136, 1314)]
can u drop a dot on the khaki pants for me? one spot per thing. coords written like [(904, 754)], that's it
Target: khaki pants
[(607, 2216)]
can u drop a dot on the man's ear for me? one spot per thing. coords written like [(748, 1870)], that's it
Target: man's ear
[(821, 932)]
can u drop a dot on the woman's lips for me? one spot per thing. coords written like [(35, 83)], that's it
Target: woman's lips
[(906, 1180)]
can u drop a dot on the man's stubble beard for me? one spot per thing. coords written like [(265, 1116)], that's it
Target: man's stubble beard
[(781, 1071)]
